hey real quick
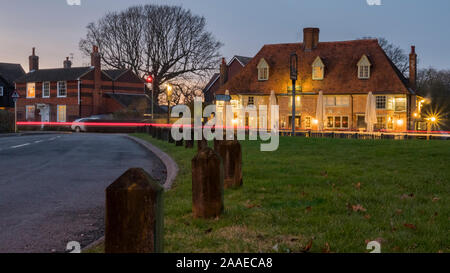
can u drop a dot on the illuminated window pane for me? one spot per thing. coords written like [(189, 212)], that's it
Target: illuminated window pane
[(31, 90), (29, 112), (61, 113)]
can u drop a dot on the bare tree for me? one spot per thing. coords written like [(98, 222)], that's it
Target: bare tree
[(395, 53), (168, 42)]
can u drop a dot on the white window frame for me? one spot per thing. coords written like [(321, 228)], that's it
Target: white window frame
[(363, 65), (58, 94), (57, 113), (385, 102), (1, 91), (334, 122), (27, 86), (43, 89), (318, 64), (335, 101), (263, 70), (26, 111)]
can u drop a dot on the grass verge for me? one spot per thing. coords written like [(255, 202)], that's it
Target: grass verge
[(320, 195)]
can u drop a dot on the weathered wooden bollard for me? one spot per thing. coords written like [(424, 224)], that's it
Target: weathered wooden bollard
[(165, 134), (189, 144), (179, 142), (171, 140), (150, 130), (134, 214), (159, 133), (203, 143), (207, 184), (231, 153)]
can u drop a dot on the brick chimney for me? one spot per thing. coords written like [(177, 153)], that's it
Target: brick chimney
[(67, 63), (97, 93), (223, 72), (33, 61), (413, 68), (310, 38)]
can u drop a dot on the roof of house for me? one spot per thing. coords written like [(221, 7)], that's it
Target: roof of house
[(10, 72), (66, 74), (214, 78), (54, 74), (340, 59), (126, 100), (114, 74), (243, 60)]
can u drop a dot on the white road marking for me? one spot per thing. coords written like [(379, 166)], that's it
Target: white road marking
[(21, 145), (38, 141), (53, 138)]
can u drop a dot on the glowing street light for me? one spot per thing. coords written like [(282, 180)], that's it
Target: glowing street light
[(169, 89)]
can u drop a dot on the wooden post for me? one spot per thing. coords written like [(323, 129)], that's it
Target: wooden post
[(159, 133), (189, 144), (203, 143), (134, 214), (231, 153), (207, 184), (179, 142)]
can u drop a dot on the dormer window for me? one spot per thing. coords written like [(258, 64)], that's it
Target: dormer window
[(364, 68), (263, 70), (318, 69)]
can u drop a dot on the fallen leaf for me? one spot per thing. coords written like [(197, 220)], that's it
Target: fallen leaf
[(358, 185), (326, 249), (399, 211), (411, 226), (308, 246), (250, 206), (358, 208), (308, 209), (435, 199), (208, 230), (407, 196), (367, 216), (324, 173)]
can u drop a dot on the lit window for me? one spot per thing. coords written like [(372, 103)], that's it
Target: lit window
[(381, 102), (46, 89), (29, 112), (337, 122), (263, 70), (337, 100), (400, 104), (62, 89), (342, 100), (381, 123), (1, 91), (251, 101), (308, 122), (318, 69), (31, 90), (297, 102), (364, 68), (61, 113)]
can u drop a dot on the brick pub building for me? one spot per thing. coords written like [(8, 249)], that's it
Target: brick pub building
[(67, 93), (344, 71)]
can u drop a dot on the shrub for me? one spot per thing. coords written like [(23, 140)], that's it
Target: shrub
[(6, 122)]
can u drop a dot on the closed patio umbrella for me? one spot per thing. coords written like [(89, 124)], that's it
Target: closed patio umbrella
[(371, 113), (320, 111), (272, 101)]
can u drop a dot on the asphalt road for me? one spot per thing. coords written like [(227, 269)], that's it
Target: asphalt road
[(52, 187)]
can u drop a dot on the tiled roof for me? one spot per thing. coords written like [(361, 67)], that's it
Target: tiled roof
[(243, 60), (340, 59), (10, 72), (56, 74), (114, 73), (214, 78)]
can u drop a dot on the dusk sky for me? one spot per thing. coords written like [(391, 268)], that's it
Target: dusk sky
[(55, 28)]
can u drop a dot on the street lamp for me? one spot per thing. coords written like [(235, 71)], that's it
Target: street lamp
[(169, 97), (149, 81), (293, 69)]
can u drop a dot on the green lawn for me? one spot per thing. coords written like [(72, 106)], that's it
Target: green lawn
[(336, 193)]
